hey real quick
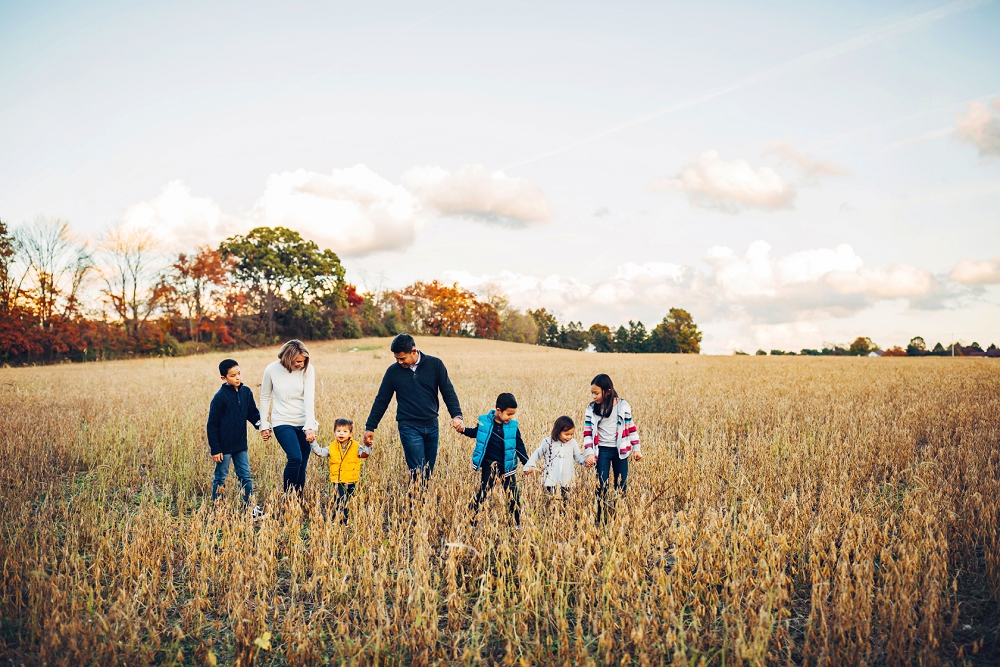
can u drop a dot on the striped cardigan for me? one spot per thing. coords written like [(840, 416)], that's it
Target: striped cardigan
[(627, 439)]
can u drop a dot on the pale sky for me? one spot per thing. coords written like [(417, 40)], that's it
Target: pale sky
[(791, 173)]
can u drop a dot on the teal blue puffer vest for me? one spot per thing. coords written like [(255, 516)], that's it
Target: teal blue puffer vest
[(509, 442)]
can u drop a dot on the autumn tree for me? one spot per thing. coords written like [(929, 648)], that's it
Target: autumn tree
[(53, 257), (276, 265), (601, 338), (548, 326), (198, 280), (862, 346), (10, 285), (676, 333), (129, 277), (917, 347)]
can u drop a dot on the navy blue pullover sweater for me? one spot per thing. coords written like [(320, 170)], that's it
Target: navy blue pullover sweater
[(416, 393), (227, 418)]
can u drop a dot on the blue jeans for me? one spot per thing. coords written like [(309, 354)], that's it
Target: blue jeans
[(241, 463), (608, 461), (420, 447), (293, 440)]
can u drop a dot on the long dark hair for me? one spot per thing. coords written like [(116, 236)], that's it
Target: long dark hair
[(607, 387), (562, 424)]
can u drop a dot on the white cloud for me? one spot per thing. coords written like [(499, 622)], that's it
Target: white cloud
[(811, 168), (525, 291), (730, 187), (473, 192), (181, 221), (980, 127), (352, 211), (971, 272)]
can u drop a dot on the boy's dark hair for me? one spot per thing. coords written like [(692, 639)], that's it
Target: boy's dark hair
[(225, 365), (506, 400), (344, 422), (562, 424), (607, 404), (402, 343)]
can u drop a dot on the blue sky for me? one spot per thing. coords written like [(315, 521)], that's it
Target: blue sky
[(792, 173)]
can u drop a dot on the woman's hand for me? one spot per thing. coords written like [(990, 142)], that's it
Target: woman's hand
[(310, 435), (265, 435), (589, 461)]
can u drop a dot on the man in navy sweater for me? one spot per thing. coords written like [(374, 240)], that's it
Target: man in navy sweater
[(415, 379), (232, 407)]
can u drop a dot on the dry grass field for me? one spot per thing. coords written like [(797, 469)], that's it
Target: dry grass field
[(788, 510)]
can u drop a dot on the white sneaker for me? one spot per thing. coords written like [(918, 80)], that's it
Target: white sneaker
[(257, 513)]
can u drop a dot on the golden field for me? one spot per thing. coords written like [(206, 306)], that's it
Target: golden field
[(787, 511)]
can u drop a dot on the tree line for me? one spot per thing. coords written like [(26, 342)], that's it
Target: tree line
[(864, 346), (61, 299)]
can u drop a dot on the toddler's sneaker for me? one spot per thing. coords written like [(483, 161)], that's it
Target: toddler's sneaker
[(257, 513)]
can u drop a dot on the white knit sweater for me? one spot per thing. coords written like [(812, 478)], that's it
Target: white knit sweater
[(556, 458), (288, 398)]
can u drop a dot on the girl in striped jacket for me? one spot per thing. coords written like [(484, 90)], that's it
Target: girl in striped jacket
[(608, 429)]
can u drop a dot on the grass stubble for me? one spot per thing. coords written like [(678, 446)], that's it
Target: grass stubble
[(788, 511)]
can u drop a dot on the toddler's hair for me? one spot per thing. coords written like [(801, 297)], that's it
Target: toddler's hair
[(562, 425), (344, 422), (225, 365), (506, 400)]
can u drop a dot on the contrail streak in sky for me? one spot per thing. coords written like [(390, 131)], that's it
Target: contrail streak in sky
[(853, 44)]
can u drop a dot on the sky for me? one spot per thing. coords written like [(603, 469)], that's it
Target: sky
[(793, 174)]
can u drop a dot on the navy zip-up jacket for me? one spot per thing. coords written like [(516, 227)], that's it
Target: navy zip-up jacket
[(227, 418), (416, 393)]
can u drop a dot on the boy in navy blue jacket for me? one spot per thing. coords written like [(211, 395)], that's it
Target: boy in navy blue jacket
[(232, 407)]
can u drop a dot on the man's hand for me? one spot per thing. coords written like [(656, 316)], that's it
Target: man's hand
[(589, 461), (217, 457), (458, 424), (369, 438), (310, 435), (637, 456), (265, 435)]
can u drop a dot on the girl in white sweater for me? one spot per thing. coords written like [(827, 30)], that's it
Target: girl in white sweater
[(557, 453), (287, 404)]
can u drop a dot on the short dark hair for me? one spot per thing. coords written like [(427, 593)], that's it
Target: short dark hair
[(343, 422), (225, 365), (402, 343), (562, 424), (506, 400)]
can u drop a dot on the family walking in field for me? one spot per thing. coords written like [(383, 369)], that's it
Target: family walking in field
[(287, 411)]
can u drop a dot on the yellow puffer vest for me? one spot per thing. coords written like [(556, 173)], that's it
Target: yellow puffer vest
[(345, 466)]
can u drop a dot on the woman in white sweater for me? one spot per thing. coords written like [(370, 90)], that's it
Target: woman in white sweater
[(287, 405)]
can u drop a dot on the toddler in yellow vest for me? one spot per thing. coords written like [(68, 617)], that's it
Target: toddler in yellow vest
[(346, 458)]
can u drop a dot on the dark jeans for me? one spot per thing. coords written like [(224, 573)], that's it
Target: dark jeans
[(420, 447), (293, 440), (489, 473), (344, 493), (241, 464), (608, 462)]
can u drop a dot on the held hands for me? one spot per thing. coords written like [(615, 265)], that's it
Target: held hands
[(589, 461), (217, 457), (310, 435), (458, 424), (369, 438), (265, 435)]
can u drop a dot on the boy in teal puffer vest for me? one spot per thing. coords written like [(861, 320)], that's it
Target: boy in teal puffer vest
[(498, 449)]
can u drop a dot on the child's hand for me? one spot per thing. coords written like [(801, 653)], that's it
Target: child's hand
[(637, 456), (589, 461), (528, 471), (310, 435), (217, 457)]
